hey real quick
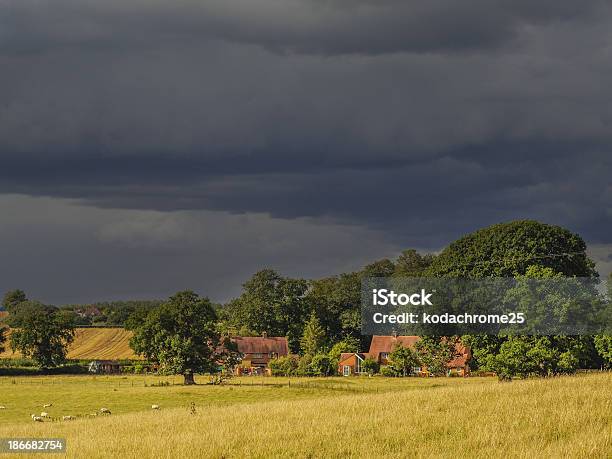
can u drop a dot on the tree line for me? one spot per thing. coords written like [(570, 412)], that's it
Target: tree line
[(321, 318)]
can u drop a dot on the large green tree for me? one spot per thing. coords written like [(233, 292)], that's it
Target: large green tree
[(12, 299), (508, 249), (402, 360), (522, 247), (182, 336), (411, 263), (313, 339), (269, 303), (42, 333)]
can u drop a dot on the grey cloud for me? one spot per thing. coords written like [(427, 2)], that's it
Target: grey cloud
[(306, 26), (398, 123)]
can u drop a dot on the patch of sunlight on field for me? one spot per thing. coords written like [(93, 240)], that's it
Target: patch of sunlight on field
[(557, 417), (94, 343)]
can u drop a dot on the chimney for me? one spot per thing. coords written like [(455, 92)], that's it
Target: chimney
[(264, 335)]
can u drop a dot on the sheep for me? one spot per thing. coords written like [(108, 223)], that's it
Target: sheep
[(47, 405), (36, 418), (68, 418), (2, 407), (105, 411), (155, 407), (44, 414)]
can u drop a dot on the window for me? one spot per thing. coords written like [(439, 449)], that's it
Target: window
[(346, 371), (257, 356), (384, 355)]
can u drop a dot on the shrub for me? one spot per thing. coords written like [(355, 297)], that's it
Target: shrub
[(321, 365), (388, 371), (283, 366), (370, 366)]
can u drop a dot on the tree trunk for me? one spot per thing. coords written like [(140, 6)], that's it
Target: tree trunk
[(189, 379)]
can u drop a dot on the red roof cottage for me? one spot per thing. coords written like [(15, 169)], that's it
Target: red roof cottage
[(382, 346), (257, 351)]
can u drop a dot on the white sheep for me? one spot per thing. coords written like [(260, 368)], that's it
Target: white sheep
[(105, 411), (68, 418), (44, 414), (155, 407), (37, 418), (2, 407)]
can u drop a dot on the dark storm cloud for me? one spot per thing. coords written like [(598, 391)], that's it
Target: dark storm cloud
[(309, 26), (406, 123)]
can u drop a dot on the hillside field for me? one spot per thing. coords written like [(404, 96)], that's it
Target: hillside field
[(333, 417), (94, 343)]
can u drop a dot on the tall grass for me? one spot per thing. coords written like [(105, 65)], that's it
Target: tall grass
[(560, 417)]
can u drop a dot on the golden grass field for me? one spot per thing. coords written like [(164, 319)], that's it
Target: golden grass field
[(94, 343), (334, 417)]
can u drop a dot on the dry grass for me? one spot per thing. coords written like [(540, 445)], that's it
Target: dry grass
[(561, 417), (94, 343)]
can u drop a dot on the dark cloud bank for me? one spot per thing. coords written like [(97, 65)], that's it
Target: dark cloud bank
[(189, 143)]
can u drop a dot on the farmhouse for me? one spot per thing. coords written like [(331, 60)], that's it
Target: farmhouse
[(257, 351), (382, 346)]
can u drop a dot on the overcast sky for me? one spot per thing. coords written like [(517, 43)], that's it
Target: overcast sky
[(148, 146)]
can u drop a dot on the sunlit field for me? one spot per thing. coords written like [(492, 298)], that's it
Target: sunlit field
[(333, 417)]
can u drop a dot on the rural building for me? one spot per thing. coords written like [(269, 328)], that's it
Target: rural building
[(382, 346), (350, 363), (105, 366), (257, 351)]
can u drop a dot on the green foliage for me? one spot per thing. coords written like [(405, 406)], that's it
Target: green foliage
[(436, 352), (41, 333), (523, 356), (313, 339), (337, 301), (12, 299), (115, 313), (304, 367), (182, 336), (412, 264), (269, 303), (322, 365), (370, 366), (402, 360), (508, 249), (603, 344), (389, 371), (284, 366)]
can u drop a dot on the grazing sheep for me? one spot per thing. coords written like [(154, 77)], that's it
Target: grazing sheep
[(44, 414), (155, 407), (37, 418), (47, 405), (105, 411), (2, 407), (68, 418)]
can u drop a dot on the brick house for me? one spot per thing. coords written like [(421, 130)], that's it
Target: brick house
[(257, 351), (382, 346)]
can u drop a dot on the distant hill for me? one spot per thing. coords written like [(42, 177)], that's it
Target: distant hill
[(94, 344)]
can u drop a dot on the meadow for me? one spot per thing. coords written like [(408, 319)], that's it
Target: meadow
[(317, 417)]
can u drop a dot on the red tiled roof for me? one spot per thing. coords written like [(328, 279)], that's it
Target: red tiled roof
[(261, 345), (388, 343)]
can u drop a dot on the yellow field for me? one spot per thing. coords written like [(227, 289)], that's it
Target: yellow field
[(95, 343), (446, 417)]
